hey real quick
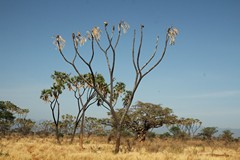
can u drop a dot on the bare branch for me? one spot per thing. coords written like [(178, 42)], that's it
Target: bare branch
[(75, 56), (154, 53), (84, 90), (119, 35), (139, 52), (106, 107), (111, 69), (161, 58), (101, 47), (60, 51), (92, 53), (58, 114), (133, 46)]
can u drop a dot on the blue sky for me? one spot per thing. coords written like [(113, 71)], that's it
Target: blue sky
[(198, 78)]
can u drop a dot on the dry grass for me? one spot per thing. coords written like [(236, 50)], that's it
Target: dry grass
[(36, 148)]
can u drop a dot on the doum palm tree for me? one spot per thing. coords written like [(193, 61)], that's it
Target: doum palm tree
[(110, 98)]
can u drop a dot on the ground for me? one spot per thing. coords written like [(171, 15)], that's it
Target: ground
[(45, 148)]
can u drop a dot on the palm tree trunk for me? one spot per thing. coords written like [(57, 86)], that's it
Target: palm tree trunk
[(73, 134), (75, 128), (82, 130), (57, 135), (118, 141)]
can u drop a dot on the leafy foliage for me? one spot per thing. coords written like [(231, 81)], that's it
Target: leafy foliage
[(94, 126), (67, 124), (177, 133), (208, 132), (227, 136), (45, 127), (6, 116), (15, 117), (145, 116)]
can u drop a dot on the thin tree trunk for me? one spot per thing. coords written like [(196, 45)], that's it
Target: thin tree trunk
[(74, 133), (57, 135), (56, 121), (143, 136), (81, 141), (57, 125), (82, 130), (118, 141), (75, 128)]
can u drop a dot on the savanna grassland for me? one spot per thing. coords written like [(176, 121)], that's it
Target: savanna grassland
[(46, 148)]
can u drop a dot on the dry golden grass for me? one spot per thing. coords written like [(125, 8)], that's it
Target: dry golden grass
[(36, 148)]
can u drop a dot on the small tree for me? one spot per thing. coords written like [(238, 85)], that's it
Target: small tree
[(145, 116), (109, 100), (189, 125), (208, 132), (46, 127), (6, 116), (52, 95), (94, 126), (15, 117), (177, 133), (22, 124), (67, 124), (227, 136)]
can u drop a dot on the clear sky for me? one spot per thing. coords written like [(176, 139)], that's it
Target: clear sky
[(199, 77)]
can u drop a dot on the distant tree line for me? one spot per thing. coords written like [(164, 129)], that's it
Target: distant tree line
[(141, 119)]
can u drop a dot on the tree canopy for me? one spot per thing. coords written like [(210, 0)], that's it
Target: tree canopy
[(145, 116)]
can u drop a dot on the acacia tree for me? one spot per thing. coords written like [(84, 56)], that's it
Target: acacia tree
[(52, 95), (23, 124), (145, 116), (109, 52), (94, 126), (6, 116), (227, 136), (189, 125), (67, 124), (208, 132), (45, 127), (13, 116)]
